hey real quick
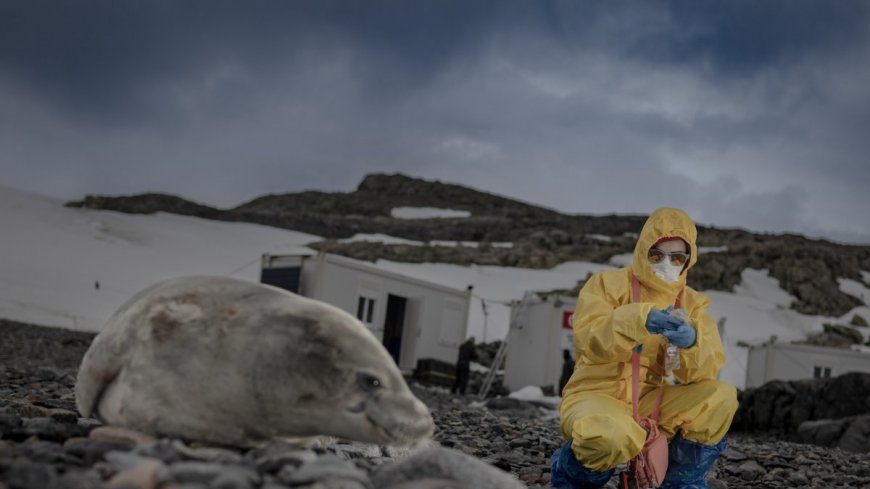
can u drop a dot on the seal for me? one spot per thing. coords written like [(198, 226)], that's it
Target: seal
[(232, 362)]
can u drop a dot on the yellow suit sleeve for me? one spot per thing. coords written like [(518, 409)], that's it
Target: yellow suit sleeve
[(605, 330), (702, 360)]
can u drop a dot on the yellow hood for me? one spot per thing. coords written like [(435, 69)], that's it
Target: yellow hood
[(664, 223)]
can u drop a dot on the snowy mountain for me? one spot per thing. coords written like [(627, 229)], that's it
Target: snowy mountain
[(72, 268)]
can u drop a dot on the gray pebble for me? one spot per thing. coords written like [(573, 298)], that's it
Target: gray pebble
[(50, 429), (79, 479), (208, 454), (716, 484), (9, 422), (125, 460), (24, 474), (274, 463), (325, 468), (48, 452), (798, 478), (357, 450), (207, 473), (165, 450), (90, 451), (235, 480), (734, 455), (194, 472), (751, 470), (430, 484)]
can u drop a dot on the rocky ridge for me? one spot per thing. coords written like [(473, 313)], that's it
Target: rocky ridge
[(542, 238)]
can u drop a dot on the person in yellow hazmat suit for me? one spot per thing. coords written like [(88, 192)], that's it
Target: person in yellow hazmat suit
[(596, 410)]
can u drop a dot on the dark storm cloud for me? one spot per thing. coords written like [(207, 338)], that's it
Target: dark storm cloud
[(103, 57), (745, 113), (745, 36)]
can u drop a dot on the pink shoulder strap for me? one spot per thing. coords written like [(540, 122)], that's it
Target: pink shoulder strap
[(635, 358)]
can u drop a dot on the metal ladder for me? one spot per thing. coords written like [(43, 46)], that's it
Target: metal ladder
[(502, 349)]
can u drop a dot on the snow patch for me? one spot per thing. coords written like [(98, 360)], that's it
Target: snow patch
[(865, 277), (759, 284), (599, 237), (528, 393), (622, 260), (482, 369), (711, 249), (534, 393), (391, 240), (427, 213), (757, 310), (453, 244), (855, 289), (380, 238), (470, 244)]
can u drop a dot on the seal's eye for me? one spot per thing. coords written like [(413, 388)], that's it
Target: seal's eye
[(367, 382)]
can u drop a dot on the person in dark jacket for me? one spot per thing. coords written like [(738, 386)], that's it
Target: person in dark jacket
[(567, 369), (467, 353)]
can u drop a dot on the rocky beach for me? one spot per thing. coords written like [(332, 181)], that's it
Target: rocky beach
[(44, 443)]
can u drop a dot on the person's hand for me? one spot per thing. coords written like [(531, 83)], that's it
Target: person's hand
[(659, 320), (683, 336)]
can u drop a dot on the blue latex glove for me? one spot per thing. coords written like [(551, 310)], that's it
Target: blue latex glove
[(683, 336), (659, 320)]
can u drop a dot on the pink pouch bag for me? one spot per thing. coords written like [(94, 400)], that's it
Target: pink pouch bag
[(648, 468)]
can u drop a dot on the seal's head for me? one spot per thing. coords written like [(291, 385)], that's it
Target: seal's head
[(235, 362), (361, 391)]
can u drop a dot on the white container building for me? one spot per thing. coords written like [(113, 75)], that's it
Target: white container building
[(413, 318), (788, 361), (539, 333)]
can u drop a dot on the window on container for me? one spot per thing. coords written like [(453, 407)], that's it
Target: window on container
[(821, 372), (372, 309), (360, 308), (365, 308)]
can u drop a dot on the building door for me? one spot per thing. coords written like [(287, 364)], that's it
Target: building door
[(282, 271), (394, 325)]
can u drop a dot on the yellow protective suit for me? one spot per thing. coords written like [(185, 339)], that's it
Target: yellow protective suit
[(596, 411)]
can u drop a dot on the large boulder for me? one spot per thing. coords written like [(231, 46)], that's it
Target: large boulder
[(823, 432), (846, 395), (827, 412), (856, 437)]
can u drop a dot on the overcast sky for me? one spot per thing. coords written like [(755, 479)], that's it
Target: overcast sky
[(752, 114)]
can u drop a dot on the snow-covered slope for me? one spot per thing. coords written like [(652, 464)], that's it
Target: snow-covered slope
[(757, 310), (52, 257)]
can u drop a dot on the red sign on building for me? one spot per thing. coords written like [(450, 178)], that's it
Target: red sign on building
[(566, 319)]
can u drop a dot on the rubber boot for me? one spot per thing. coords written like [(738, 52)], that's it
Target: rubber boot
[(566, 472), (689, 462)]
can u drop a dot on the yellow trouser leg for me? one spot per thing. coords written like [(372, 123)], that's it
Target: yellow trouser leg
[(702, 411), (602, 430)]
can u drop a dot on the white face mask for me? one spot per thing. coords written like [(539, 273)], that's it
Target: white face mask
[(665, 271)]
